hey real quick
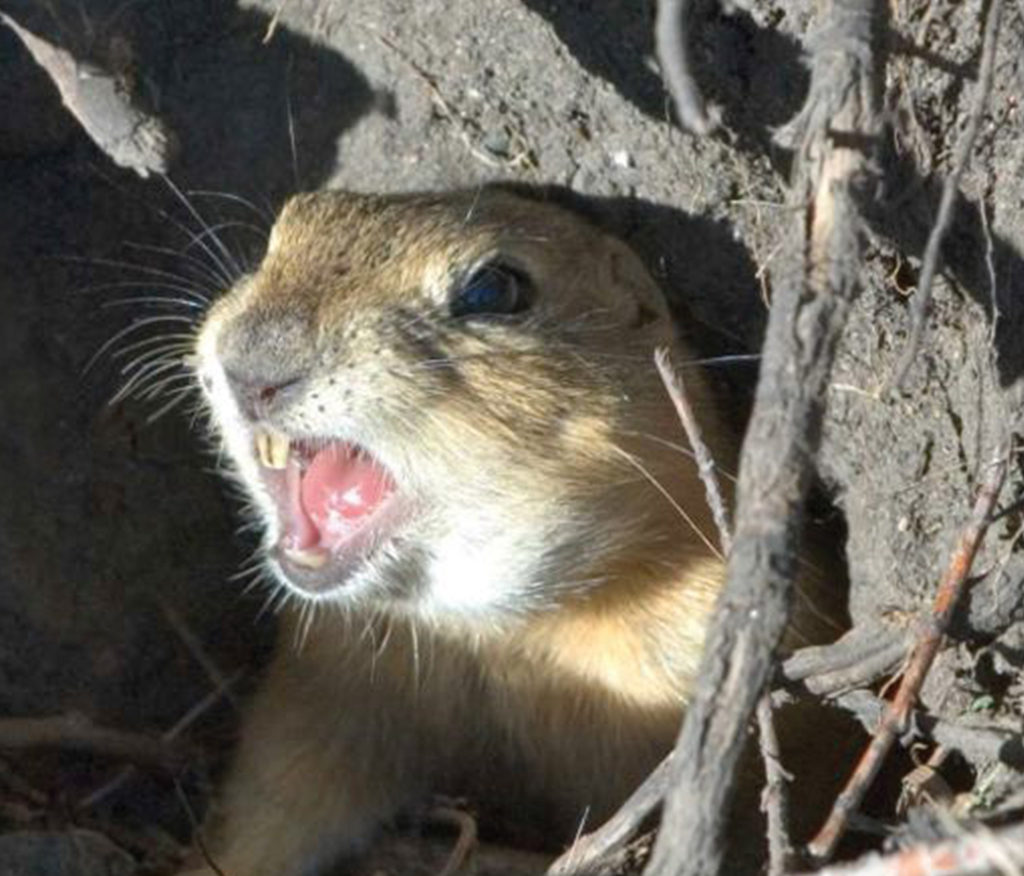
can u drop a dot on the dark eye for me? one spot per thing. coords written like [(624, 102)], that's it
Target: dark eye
[(493, 289)]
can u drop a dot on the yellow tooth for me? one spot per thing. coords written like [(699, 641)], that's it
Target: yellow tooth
[(309, 559), (272, 449), (263, 449), (278, 446)]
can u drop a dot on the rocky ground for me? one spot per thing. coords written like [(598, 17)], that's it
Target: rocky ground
[(118, 550)]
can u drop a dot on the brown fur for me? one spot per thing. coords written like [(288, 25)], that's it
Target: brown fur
[(552, 697)]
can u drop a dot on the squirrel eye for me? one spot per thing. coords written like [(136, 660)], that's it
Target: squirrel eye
[(493, 289)]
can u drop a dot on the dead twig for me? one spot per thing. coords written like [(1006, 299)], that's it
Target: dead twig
[(77, 733), (104, 104), (466, 842), (896, 718), (950, 189), (706, 468), (858, 658), (671, 37), (125, 775), (775, 797), (979, 853), (195, 647), (855, 647), (197, 830), (588, 851), (839, 125), (596, 848)]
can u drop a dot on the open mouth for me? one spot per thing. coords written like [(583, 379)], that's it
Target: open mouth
[(333, 500)]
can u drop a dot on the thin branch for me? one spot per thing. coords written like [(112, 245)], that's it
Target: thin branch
[(466, 841), (705, 461), (584, 855), (591, 850), (983, 743), (930, 262), (857, 658), (882, 660), (671, 35), (982, 852), (125, 775), (775, 797), (821, 276), (896, 719), (195, 647), (77, 733)]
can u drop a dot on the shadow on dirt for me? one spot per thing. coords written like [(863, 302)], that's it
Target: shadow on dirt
[(117, 517), (755, 74)]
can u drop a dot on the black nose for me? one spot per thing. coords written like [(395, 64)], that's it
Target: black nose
[(266, 360)]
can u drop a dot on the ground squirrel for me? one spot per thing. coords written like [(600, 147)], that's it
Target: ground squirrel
[(475, 492)]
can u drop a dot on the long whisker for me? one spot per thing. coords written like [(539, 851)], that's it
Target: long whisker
[(211, 231), (176, 399), (147, 372), (168, 352), (633, 461), (180, 340), (228, 259), (196, 264), (147, 270), (265, 215), (189, 303), (685, 451), (134, 327), (189, 290)]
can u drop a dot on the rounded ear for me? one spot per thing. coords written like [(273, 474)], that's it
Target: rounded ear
[(622, 269)]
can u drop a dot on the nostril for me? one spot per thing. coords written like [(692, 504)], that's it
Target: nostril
[(257, 395)]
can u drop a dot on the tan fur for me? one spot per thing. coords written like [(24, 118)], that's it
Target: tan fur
[(546, 698)]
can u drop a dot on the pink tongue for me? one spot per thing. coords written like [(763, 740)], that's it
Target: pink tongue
[(338, 491)]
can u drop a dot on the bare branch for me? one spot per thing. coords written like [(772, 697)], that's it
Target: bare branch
[(930, 262), (584, 855), (980, 853), (775, 798), (671, 35), (78, 733), (705, 461), (821, 275), (896, 718), (858, 658)]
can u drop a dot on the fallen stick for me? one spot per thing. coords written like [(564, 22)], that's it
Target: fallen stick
[(586, 854), (986, 742), (77, 733), (896, 717), (775, 797), (125, 774), (671, 37), (980, 853), (839, 127)]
